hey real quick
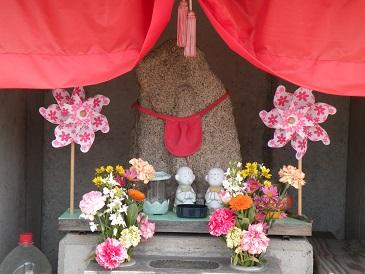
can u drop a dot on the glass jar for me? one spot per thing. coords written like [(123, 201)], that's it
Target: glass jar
[(157, 202)]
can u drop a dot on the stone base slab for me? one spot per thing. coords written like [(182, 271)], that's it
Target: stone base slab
[(294, 255)]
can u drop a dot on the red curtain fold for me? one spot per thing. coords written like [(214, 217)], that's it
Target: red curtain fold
[(318, 44), (50, 44)]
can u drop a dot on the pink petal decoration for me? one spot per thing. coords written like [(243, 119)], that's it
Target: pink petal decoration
[(296, 118), (76, 117)]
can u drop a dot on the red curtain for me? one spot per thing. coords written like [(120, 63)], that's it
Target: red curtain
[(53, 43), (318, 44)]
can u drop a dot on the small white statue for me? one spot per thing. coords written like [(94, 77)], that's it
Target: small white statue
[(185, 194), (215, 179)]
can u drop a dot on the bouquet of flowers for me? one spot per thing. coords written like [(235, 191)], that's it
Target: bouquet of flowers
[(115, 209), (252, 202)]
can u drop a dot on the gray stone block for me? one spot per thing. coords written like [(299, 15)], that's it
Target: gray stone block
[(74, 252), (295, 254)]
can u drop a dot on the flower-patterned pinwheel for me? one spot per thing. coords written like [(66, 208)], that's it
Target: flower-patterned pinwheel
[(296, 118), (76, 117)]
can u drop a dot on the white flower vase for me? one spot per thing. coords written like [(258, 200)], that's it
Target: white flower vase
[(129, 263), (256, 268)]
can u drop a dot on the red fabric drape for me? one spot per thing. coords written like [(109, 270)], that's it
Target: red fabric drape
[(53, 43), (318, 44)]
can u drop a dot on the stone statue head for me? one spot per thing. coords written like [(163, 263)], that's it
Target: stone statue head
[(185, 176), (215, 177)]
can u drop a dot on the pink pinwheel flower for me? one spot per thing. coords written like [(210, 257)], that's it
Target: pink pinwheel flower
[(255, 241), (296, 118), (110, 254), (77, 118)]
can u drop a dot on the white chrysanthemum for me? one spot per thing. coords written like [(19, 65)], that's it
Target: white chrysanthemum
[(109, 180), (93, 226), (117, 219), (106, 191), (130, 236), (123, 209)]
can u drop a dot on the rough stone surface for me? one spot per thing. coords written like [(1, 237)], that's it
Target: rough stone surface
[(12, 166), (293, 256), (174, 85)]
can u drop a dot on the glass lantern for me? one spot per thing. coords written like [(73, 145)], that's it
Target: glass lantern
[(157, 202)]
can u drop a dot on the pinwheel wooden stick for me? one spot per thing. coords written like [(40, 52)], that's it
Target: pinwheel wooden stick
[(300, 195), (72, 179)]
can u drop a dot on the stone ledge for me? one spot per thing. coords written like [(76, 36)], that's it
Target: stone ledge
[(171, 223)]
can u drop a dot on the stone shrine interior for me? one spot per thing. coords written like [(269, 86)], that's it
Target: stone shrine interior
[(170, 84)]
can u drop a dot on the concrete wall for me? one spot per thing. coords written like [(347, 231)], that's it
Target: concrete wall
[(252, 90), (355, 221), (12, 168)]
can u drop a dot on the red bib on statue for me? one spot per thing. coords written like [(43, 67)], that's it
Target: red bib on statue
[(182, 135)]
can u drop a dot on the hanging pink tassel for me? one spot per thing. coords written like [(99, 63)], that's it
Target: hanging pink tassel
[(182, 16), (190, 48)]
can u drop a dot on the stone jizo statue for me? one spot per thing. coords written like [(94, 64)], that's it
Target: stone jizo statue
[(215, 179), (185, 193)]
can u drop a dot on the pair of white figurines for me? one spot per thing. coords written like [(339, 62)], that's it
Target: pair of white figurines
[(185, 193)]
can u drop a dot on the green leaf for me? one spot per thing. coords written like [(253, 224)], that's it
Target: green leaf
[(246, 221), (252, 214), (253, 258), (132, 214), (235, 260)]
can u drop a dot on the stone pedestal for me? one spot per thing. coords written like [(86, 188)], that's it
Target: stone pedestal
[(291, 256)]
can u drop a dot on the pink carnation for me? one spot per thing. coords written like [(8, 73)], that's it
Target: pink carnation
[(221, 221), (92, 202), (146, 228), (110, 254), (254, 240), (145, 171)]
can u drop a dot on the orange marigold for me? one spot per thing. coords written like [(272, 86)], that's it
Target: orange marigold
[(240, 202), (135, 194)]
